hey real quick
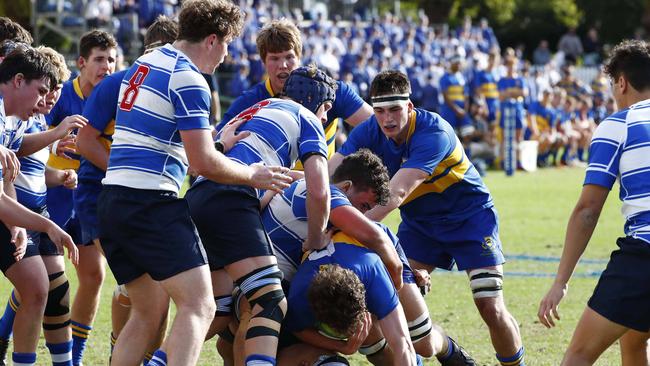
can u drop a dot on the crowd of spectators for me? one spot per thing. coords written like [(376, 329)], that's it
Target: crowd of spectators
[(355, 50)]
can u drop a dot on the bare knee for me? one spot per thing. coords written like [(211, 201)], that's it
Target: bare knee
[(91, 276), (493, 311), (424, 347)]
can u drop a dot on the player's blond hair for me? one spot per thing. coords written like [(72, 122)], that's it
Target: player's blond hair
[(279, 36), (58, 63)]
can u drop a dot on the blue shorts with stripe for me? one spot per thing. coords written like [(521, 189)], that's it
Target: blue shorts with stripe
[(470, 244)]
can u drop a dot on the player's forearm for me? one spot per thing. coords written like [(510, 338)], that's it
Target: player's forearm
[(312, 337), (379, 212), (33, 142), (318, 200), (13, 213), (54, 177), (94, 151), (9, 189), (579, 230), (223, 170)]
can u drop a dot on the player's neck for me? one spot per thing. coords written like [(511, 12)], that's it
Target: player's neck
[(195, 53), (85, 85), (633, 97), (8, 101)]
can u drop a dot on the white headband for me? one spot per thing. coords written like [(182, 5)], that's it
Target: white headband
[(389, 100)]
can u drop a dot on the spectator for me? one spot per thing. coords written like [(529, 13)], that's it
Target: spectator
[(592, 48), (570, 45), (542, 55)]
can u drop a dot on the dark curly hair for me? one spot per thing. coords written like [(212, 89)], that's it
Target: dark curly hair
[(366, 171), (631, 59), (13, 31), (338, 298), (201, 18), (390, 82)]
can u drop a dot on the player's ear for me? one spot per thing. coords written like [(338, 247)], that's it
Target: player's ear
[(18, 80), (346, 185), (81, 62)]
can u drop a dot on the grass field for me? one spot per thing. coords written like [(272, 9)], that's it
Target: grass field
[(533, 210)]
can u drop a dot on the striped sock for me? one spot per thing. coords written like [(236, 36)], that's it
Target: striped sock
[(159, 358), (7, 320), (80, 334), (147, 357), (259, 360), (24, 359), (516, 360), (113, 340), (61, 353)]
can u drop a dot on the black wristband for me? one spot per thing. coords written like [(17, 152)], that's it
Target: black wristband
[(219, 146)]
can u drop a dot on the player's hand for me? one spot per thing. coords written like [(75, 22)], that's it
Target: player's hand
[(19, 240), (69, 179), (324, 240), (66, 145), (270, 177), (356, 340), (70, 123), (296, 174), (422, 280), (229, 136), (549, 305), (10, 164), (61, 239)]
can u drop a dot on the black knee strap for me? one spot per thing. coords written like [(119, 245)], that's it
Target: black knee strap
[(57, 301)]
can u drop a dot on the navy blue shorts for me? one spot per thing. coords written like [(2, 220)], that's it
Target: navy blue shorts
[(147, 231), (85, 206), (7, 249), (40, 240), (622, 294), (229, 222), (473, 243)]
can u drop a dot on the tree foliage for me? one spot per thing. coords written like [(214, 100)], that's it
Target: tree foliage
[(529, 21)]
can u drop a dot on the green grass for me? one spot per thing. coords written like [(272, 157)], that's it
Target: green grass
[(533, 209)]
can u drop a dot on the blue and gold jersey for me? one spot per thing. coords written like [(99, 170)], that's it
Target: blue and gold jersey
[(485, 84), (346, 104), (453, 190), (71, 102), (573, 88), (381, 296), (512, 84), (453, 87), (100, 110), (543, 115)]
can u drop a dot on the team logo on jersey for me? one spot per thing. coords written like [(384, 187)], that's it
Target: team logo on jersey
[(488, 243)]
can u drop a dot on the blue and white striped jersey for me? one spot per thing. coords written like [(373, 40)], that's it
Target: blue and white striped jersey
[(282, 131), (285, 220), (31, 190), (620, 149), (14, 131), (161, 94)]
